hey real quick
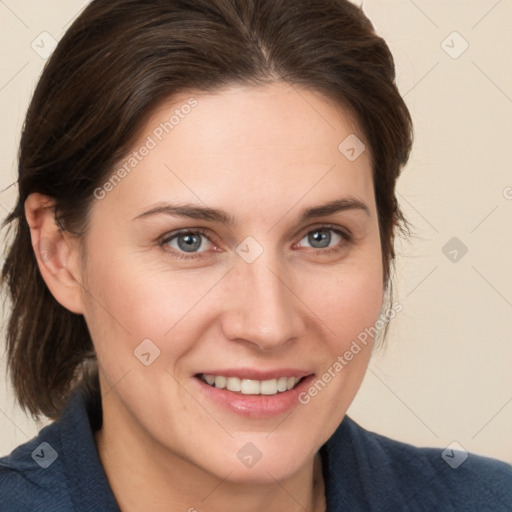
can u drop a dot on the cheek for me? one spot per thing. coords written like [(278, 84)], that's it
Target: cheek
[(349, 303), (139, 300), (129, 299), (349, 307)]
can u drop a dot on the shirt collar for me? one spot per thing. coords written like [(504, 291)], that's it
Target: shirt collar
[(88, 484)]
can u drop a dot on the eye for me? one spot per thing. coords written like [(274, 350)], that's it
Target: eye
[(188, 242), (192, 243), (324, 237)]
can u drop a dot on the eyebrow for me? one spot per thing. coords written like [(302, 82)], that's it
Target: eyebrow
[(222, 217)]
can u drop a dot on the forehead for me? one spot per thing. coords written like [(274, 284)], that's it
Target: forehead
[(275, 142), (270, 115)]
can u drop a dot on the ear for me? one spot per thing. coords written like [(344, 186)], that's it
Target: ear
[(56, 251)]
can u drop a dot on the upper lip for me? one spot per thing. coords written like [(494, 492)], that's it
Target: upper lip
[(256, 374)]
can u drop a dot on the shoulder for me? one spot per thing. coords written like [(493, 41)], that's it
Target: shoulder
[(31, 477), (59, 470), (411, 478)]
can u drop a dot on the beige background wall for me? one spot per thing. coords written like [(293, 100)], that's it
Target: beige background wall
[(446, 373)]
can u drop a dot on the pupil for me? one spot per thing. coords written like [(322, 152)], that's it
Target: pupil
[(189, 242), (320, 238)]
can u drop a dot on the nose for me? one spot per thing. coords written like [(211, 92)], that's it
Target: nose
[(262, 307)]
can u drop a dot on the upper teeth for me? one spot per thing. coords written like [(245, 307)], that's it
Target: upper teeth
[(250, 386)]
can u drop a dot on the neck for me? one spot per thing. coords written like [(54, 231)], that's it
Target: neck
[(149, 473)]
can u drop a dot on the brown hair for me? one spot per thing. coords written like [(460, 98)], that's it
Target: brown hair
[(117, 62)]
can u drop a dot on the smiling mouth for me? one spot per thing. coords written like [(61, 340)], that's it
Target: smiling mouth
[(250, 386)]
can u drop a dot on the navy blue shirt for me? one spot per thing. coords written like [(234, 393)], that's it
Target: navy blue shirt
[(60, 471)]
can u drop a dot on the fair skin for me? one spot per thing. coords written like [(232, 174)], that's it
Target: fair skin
[(263, 155)]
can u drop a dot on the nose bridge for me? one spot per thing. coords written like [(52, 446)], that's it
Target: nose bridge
[(263, 310)]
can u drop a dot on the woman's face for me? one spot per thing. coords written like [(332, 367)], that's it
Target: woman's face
[(213, 257)]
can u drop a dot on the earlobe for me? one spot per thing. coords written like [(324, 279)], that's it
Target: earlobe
[(55, 252)]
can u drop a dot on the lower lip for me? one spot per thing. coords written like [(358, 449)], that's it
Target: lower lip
[(256, 406)]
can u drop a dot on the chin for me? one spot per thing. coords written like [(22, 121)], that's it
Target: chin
[(262, 461)]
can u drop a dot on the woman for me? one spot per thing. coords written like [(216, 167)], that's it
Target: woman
[(203, 237)]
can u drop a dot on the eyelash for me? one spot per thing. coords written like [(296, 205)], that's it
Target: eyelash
[(345, 234)]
